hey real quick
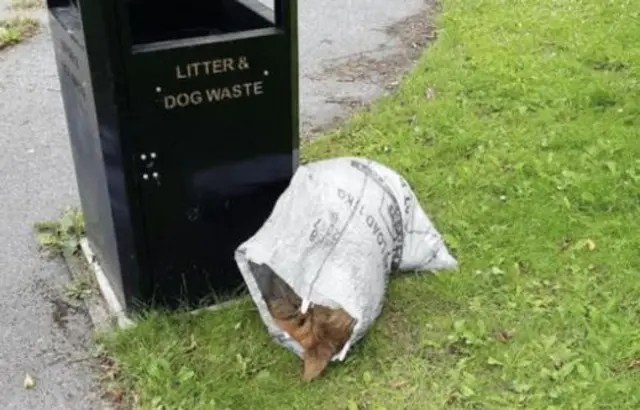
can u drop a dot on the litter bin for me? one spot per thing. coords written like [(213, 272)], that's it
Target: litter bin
[(183, 123)]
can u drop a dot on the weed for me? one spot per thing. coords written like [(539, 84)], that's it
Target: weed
[(58, 237), (16, 29), (27, 4)]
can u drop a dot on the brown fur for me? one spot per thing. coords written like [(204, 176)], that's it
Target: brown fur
[(322, 331)]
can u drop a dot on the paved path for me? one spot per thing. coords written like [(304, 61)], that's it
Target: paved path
[(40, 336)]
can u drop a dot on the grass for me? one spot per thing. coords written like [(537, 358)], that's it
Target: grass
[(527, 155), (17, 29)]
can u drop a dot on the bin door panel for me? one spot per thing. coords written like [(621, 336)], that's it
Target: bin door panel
[(217, 137)]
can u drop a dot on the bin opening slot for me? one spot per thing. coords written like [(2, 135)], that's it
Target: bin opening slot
[(165, 20)]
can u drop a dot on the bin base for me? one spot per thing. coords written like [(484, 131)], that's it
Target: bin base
[(104, 309)]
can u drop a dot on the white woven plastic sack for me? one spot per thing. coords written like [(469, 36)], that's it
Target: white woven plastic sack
[(334, 236)]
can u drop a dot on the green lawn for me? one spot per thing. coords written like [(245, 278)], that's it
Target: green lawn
[(528, 160)]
